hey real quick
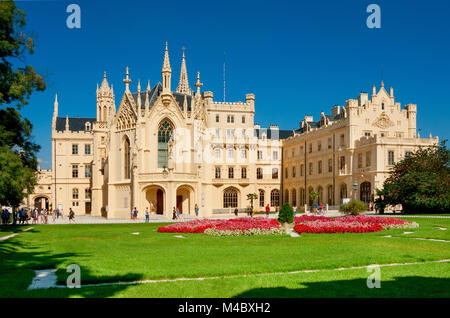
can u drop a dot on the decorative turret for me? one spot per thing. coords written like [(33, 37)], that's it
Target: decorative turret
[(105, 101), (183, 85), (139, 104), (166, 78), (67, 123)]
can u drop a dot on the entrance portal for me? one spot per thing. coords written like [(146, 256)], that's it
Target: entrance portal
[(159, 202)]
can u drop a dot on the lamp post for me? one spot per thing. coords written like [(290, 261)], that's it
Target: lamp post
[(355, 188)]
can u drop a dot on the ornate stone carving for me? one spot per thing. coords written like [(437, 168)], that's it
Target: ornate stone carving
[(383, 121)]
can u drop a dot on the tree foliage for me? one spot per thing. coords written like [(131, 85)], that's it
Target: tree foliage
[(18, 160), (17, 81), (420, 182), (286, 214)]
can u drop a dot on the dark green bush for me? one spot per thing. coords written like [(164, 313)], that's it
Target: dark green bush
[(104, 213), (286, 214), (354, 207)]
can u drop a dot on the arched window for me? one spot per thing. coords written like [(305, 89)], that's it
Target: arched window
[(302, 196), (165, 131), (310, 199), (275, 197), (365, 193), (261, 198), (294, 197), (330, 195), (230, 198), (343, 191), (286, 196), (126, 158), (320, 198)]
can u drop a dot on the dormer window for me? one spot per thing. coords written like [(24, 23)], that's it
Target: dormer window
[(87, 126), (382, 106)]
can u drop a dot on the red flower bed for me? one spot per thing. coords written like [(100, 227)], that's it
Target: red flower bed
[(337, 227), (199, 226), (347, 224)]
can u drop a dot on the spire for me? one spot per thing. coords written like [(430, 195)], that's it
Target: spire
[(55, 106), (198, 84), (104, 82), (127, 81), (382, 83), (139, 86), (166, 78), (185, 105), (147, 103), (166, 64), (67, 122), (183, 85), (148, 86)]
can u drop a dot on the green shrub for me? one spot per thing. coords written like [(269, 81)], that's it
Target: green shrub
[(354, 207), (104, 213), (286, 214)]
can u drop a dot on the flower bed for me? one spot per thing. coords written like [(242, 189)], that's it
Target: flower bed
[(348, 224), (240, 226)]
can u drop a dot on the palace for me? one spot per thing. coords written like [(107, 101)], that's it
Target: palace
[(165, 148)]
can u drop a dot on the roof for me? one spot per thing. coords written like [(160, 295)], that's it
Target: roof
[(273, 134), (75, 123), (154, 93)]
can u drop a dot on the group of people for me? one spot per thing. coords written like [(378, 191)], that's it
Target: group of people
[(177, 215), (36, 216)]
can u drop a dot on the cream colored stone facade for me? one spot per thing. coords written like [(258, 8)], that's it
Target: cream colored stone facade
[(358, 142), (164, 148)]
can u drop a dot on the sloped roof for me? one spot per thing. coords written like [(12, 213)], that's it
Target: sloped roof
[(75, 123)]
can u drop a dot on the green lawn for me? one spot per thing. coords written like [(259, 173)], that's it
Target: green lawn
[(110, 253)]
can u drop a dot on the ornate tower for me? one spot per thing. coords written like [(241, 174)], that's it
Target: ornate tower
[(105, 101)]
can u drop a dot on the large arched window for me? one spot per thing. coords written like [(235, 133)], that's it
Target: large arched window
[(126, 158), (275, 197), (294, 197), (230, 198), (165, 131), (320, 191), (286, 196), (365, 193)]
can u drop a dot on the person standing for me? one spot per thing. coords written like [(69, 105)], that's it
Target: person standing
[(135, 213), (147, 215), (178, 213), (294, 208), (196, 210), (54, 217), (236, 211), (174, 214), (267, 210)]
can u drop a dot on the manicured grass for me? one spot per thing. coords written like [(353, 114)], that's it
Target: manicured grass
[(111, 253)]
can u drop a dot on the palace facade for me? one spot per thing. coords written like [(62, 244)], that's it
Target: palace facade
[(164, 148)]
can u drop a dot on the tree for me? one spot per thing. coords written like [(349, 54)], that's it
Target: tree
[(16, 82), (420, 182), (18, 160), (313, 195), (286, 214), (251, 197)]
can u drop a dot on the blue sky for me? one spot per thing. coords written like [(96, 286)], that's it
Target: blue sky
[(297, 57)]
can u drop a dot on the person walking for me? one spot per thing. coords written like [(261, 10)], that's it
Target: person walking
[(321, 208), (147, 215), (196, 210), (267, 210), (135, 213), (236, 211), (294, 208), (178, 213), (174, 214), (71, 215), (57, 213), (62, 213), (54, 217)]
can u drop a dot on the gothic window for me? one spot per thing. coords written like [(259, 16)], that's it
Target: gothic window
[(165, 131), (243, 119), (230, 198), (390, 158), (244, 173), (87, 194), (217, 172), (275, 197), (230, 172), (217, 118), (126, 158), (294, 197), (343, 191)]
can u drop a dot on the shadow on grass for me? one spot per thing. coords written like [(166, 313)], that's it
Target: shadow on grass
[(400, 287), (20, 258)]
